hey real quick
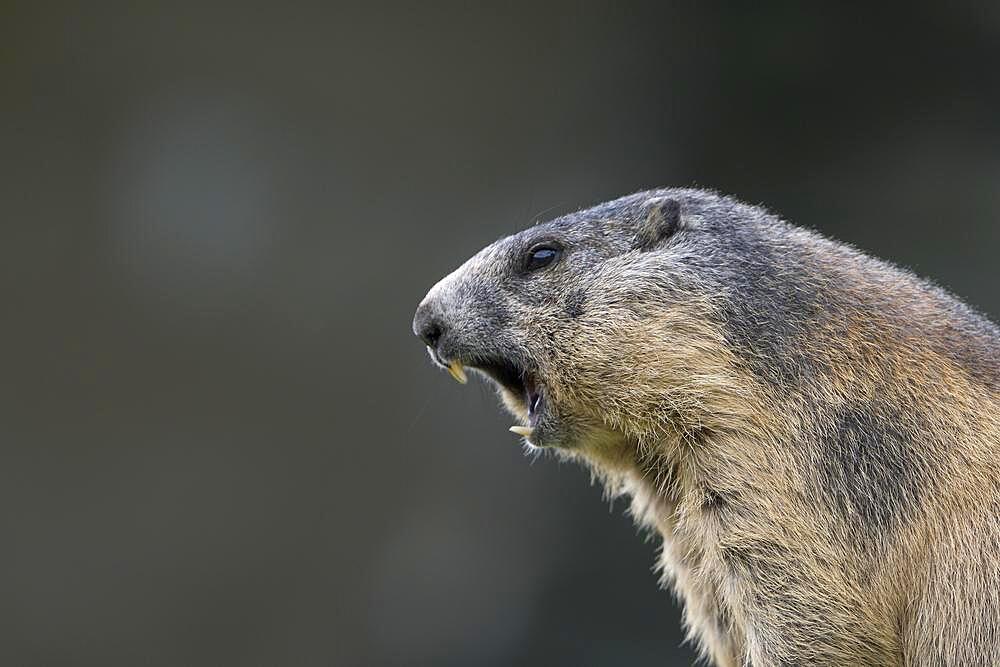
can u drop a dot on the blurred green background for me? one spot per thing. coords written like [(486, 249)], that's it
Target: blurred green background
[(221, 443)]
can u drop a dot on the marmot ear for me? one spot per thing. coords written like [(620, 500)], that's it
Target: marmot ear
[(663, 220)]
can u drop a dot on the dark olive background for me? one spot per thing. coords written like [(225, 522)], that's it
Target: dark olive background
[(221, 443)]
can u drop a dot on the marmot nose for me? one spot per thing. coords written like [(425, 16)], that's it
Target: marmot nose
[(427, 326)]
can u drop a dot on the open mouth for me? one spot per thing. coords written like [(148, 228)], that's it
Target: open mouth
[(518, 381)]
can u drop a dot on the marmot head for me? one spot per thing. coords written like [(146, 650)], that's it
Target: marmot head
[(597, 327)]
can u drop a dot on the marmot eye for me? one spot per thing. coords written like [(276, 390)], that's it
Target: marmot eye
[(541, 256)]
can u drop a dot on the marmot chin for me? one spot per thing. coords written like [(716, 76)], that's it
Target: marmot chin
[(815, 433)]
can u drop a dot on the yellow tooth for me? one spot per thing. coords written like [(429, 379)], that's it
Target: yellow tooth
[(526, 431), (457, 372)]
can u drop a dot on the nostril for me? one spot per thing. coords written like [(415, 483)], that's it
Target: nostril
[(431, 332), (427, 325)]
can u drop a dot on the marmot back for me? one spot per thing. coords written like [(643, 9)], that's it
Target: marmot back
[(814, 432)]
